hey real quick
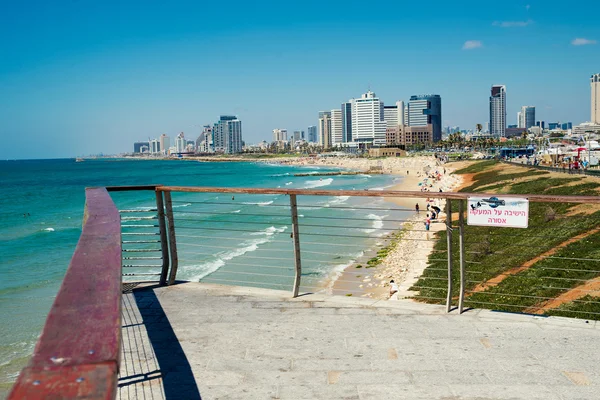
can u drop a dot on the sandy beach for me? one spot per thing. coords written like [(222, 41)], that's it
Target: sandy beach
[(406, 261)]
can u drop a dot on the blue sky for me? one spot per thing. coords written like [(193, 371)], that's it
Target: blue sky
[(84, 77)]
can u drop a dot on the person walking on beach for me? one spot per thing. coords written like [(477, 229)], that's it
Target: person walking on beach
[(393, 289), (417, 207), (427, 223)]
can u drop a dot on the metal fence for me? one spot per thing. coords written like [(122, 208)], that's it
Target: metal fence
[(336, 241)]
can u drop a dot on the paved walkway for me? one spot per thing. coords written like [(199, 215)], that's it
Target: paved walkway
[(197, 340)]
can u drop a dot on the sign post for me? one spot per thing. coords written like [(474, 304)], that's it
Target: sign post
[(507, 212)]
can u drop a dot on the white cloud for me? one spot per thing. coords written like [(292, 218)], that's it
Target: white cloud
[(513, 24), (472, 44), (582, 42)]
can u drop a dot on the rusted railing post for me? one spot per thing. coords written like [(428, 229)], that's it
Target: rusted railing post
[(172, 239), (164, 245), (296, 237), (461, 237), (449, 237)]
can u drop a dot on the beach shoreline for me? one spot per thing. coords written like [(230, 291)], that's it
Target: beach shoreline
[(407, 257)]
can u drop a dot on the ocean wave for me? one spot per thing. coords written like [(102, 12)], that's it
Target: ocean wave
[(337, 270), (235, 212), (270, 231), (376, 224), (261, 204), (288, 183), (145, 208), (319, 183), (337, 200), (48, 229), (365, 175), (248, 246), (286, 174), (182, 205)]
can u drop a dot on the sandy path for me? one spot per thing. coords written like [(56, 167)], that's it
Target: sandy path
[(592, 287), (528, 264)]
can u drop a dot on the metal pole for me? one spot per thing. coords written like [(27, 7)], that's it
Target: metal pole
[(296, 237), (461, 231), (164, 245), (172, 239), (449, 237)]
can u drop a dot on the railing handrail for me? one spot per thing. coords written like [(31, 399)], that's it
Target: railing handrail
[(77, 354), (378, 193)]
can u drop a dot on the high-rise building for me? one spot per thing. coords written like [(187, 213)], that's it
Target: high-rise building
[(566, 126), (541, 124), (298, 135), (527, 117), (312, 134), (164, 143), (347, 122), (325, 129), (498, 111), (424, 110), (180, 143), (394, 115), (337, 137), (595, 82), (141, 147), (204, 143), (155, 146), (227, 135), (280, 135), (520, 121), (368, 124)]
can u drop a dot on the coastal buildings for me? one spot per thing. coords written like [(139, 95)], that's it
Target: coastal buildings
[(336, 128), (595, 83), (180, 143), (325, 129), (526, 117), (164, 143), (227, 135), (298, 135), (204, 141), (394, 123), (155, 146), (347, 122), (280, 135), (312, 134), (423, 118), (498, 111), (141, 147), (368, 124)]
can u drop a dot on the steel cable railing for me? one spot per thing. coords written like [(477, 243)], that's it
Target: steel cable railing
[(241, 219), (342, 241)]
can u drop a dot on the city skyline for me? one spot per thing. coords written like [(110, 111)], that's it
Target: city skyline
[(157, 69)]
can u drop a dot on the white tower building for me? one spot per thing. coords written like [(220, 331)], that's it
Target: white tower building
[(336, 128), (368, 124), (595, 82)]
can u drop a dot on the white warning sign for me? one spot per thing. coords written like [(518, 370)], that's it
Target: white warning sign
[(507, 212)]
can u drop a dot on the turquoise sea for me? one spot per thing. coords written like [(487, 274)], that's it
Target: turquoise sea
[(242, 239)]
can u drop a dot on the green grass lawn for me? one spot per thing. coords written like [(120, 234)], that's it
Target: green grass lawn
[(492, 251)]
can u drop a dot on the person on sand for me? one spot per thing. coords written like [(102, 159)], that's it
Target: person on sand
[(417, 207), (427, 223), (393, 288)]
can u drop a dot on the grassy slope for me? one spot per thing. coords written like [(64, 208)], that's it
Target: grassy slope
[(492, 251)]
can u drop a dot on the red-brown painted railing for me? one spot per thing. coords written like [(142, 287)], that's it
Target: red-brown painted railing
[(77, 355)]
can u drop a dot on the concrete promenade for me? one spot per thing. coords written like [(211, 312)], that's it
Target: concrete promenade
[(195, 340)]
